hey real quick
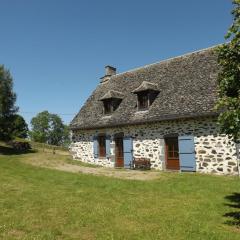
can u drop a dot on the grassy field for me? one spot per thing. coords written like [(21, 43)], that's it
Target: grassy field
[(39, 203)]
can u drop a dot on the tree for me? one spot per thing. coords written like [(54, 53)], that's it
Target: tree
[(66, 136), (48, 128), (19, 127), (40, 127), (56, 132), (229, 78), (7, 104)]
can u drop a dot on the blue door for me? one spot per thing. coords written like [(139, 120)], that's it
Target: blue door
[(127, 151), (187, 153)]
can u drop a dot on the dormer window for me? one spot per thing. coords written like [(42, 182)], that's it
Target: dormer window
[(146, 94), (143, 100), (110, 105), (111, 101), (108, 108)]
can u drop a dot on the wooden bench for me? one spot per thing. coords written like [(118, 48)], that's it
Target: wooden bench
[(141, 163)]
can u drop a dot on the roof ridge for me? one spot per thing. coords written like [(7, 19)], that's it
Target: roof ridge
[(168, 59)]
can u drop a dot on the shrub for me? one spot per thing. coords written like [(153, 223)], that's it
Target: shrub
[(20, 145)]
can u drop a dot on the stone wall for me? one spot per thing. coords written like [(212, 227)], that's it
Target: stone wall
[(215, 153)]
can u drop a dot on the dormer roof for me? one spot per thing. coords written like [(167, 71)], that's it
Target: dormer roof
[(112, 94), (146, 86)]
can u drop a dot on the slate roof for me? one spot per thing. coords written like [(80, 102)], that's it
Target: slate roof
[(187, 89)]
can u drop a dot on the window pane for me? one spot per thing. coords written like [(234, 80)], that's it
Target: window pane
[(175, 153), (172, 148)]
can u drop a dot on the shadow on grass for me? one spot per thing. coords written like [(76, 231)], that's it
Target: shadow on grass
[(7, 150), (234, 216)]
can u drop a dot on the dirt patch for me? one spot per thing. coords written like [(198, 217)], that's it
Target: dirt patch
[(61, 162), (123, 173), (64, 162)]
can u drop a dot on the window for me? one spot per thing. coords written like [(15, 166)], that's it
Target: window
[(145, 99), (172, 148), (102, 146), (107, 106), (152, 96), (110, 105)]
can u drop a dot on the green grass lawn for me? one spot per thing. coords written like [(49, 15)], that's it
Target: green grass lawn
[(38, 203)]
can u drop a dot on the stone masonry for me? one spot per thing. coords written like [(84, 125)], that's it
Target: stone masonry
[(215, 153)]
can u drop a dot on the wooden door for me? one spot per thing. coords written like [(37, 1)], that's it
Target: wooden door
[(172, 153), (102, 146), (119, 157)]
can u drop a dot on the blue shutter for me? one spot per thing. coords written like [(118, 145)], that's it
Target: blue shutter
[(95, 147), (108, 152), (187, 153), (128, 151)]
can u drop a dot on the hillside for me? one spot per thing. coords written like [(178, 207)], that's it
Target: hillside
[(42, 203)]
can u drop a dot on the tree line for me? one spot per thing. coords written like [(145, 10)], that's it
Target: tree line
[(45, 127)]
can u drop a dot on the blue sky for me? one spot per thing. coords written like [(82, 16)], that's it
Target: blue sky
[(56, 50)]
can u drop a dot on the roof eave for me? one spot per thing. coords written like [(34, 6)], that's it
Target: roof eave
[(170, 118)]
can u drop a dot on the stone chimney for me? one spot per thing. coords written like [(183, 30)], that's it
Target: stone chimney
[(109, 71)]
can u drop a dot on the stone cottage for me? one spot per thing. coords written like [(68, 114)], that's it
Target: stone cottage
[(163, 112)]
